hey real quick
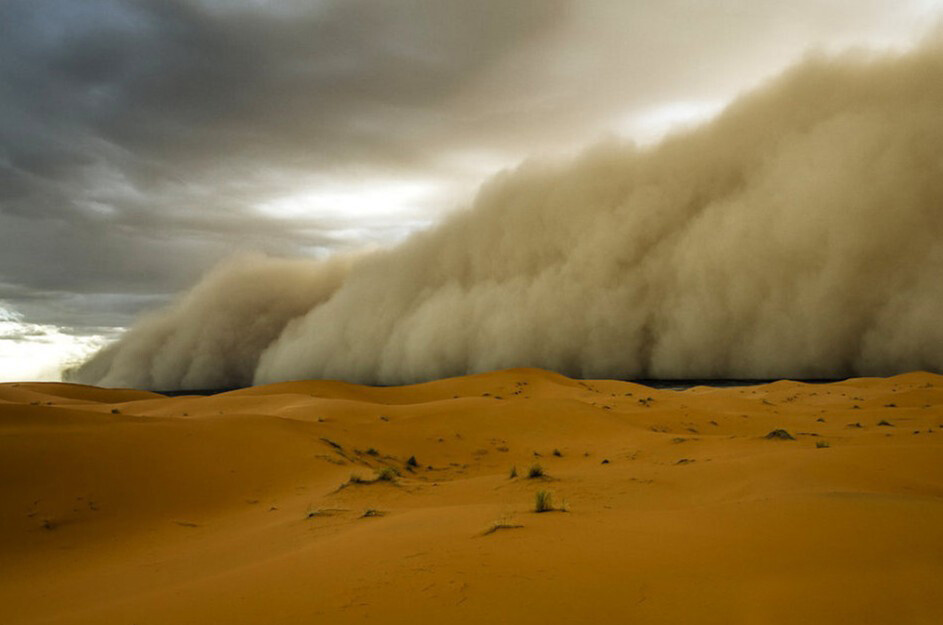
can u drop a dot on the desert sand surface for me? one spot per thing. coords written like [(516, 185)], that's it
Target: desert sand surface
[(123, 506)]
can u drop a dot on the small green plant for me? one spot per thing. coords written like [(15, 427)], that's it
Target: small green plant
[(557, 453), (372, 452), (822, 445), (412, 462), (387, 474), (535, 472), (356, 478), (543, 501), (513, 473), (371, 512)]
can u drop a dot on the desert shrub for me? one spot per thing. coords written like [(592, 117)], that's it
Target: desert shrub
[(535, 471), (513, 473), (543, 501), (387, 474)]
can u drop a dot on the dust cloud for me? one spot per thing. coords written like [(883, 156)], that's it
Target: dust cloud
[(798, 234)]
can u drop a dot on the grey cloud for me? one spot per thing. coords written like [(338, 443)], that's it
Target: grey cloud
[(22, 335), (136, 138), (172, 79), (79, 314)]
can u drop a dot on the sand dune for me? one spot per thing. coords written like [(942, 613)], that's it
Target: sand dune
[(124, 506)]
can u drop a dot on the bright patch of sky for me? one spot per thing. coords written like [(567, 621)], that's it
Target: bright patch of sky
[(365, 211), (652, 125), (32, 351)]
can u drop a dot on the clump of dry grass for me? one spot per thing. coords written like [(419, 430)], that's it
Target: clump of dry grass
[(543, 501)]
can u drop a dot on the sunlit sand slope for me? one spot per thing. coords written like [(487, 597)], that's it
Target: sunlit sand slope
[(123, 506)]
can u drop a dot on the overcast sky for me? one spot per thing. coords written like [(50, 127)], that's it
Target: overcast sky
[(141, 141)]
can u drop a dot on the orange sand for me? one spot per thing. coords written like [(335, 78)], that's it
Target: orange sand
[(129, 507)]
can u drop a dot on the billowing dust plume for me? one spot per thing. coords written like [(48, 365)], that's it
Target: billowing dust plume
[(212, 336), (799, 234)]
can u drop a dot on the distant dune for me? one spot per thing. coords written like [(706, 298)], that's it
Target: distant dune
[(124, 506)]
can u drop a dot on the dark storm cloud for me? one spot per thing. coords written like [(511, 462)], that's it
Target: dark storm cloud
[(176, 78), (136, 138), (78, 313)]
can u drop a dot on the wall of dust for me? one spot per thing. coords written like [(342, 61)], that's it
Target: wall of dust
[(798, 234)]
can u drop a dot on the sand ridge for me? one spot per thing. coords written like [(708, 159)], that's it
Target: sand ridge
[(127, 506)]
